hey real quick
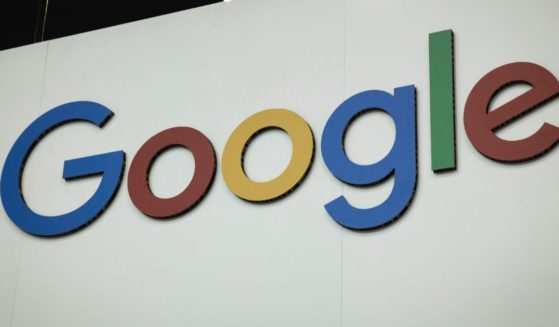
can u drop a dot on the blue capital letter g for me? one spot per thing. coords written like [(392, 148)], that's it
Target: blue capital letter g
[(110, 165)]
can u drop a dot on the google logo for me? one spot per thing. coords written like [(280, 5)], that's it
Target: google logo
[(401, 161)]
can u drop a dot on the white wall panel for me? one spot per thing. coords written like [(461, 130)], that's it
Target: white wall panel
[(227, 262), (476, 247), (21, 79)]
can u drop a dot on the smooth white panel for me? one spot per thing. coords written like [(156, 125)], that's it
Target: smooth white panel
[(20, 84), (227, 262), (477, 247)]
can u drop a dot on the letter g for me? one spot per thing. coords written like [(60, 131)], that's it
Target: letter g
[(110, 165)]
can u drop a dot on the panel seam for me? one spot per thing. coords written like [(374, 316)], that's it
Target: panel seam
[(20, 254)]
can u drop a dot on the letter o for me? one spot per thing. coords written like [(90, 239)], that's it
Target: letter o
[(138, 176), (302, 140)]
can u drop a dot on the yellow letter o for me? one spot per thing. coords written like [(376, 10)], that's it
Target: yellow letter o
[(302, 155)]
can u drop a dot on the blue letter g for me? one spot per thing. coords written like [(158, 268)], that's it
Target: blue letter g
[(110, 165)]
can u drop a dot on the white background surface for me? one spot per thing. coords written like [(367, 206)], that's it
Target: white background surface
[(477, 247)]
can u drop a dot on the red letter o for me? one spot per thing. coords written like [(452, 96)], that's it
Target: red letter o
[(138, 176)]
